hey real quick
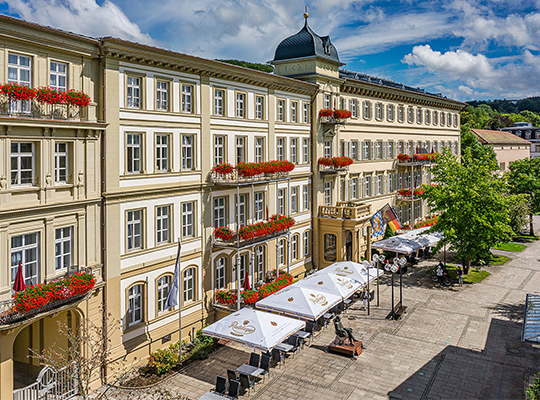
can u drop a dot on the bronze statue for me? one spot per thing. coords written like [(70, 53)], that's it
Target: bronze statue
[(343, 333)]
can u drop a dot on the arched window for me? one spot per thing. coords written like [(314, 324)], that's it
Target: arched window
[(163, 285), (220, 273), (135, 304), (281, 252), (259, 263), (294, 247), (307, 243), (189, 284)]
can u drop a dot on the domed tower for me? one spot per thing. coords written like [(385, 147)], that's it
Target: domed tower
[(306, 54)]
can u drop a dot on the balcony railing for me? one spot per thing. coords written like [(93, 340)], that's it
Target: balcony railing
[(345, 210), (234, 178), (333, 121), (34, 109), (237, 242), (416, 159)]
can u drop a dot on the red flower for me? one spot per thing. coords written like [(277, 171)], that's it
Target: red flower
[(223, 169), (336, 162), (77, 98), (50, 96), (404, 192), (223, 233), (403, 157), (326, 112), (16, 91), (342, 114)]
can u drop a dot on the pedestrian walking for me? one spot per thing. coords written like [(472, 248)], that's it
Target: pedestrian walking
[(365, 297), (439, 274), (460, 276)]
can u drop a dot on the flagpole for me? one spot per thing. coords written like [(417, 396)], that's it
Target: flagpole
[(179, 304)]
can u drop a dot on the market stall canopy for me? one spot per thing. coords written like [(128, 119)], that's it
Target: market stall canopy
[(531, 322), (409, 242), (300, 302), (328, 282), (352, 270), (253, 328)]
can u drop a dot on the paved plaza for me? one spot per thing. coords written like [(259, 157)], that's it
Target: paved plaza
[(453, 343)]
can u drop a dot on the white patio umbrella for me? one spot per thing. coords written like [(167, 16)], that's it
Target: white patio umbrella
[(353, 271), (300, 302), (253, 328), (328, 282)]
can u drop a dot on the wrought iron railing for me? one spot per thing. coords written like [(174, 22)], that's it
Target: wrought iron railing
[(238, 242), (234, 178), (345, 210), (54, 384), (34, 109)]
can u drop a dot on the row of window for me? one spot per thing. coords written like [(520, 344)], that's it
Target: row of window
[(25, 249), (295, 112), (23, 168), (392, 113), (20, 71)]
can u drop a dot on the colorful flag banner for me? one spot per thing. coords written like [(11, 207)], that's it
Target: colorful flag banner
[(172, 296), (390, 217), (377, 224)]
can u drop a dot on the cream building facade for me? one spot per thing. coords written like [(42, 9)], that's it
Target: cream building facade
[(142, 180)]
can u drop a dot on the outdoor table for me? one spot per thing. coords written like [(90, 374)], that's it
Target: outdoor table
[(284, 347), (303, 335), (211, 396), (249, 370)]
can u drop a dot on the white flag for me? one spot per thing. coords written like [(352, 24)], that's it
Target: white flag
[(172, 296)]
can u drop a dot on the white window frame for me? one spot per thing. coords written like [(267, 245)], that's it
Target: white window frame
[(162, 95), (189, 284), (259, 264), (220, 268), (367, 186), (220, 211), (327, 152), (188, 162), (354, 188), (188, 219), (133, 92), (219, 101), (294, 151), (328, 193), (29, 244), (134, 220), (280, 148), (294, 111), (187, 98), (163, 224), (259, 107), (305, 195), (131, 149), (294, 200), (162, 287), (259, 149), (281, 110), (307, 243), (63, 248), (305, 150), (135, 304), (18, 156), (60, 154), (259, 206), (219, 149), (294, 247), (327, 101), (281, 201), (240, 149), (57, 75), (241, 209), (240, 105), (306, 113), (162, 152)]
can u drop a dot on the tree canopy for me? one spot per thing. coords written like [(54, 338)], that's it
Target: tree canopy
[(474, 210), (250, 65), (524, 178), (478, 151)]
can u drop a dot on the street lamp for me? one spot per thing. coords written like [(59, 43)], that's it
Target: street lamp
[(368, 264), (376, 258)]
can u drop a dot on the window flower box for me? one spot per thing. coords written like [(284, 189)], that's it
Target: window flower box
[(403, 157), (404, 192)]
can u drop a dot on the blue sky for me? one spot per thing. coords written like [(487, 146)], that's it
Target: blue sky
[(466, 49)]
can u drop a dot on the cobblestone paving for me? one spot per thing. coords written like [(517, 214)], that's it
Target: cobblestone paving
[(453, 343)]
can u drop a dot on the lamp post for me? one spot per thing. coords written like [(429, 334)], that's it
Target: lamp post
[(376, 258), (367, 264)]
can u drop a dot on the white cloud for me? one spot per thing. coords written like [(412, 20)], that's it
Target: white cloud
[(80, 16)]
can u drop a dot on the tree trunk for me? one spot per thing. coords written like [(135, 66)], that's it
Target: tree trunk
[(466, 263), (531, 227)]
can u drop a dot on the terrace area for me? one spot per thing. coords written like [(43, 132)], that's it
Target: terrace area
[(345, 210)]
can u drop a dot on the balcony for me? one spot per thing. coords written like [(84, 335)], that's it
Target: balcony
[(416, 159), (334, 165), (345, 210), (33, 109), (251, 173), (331, 118), (236, 179)]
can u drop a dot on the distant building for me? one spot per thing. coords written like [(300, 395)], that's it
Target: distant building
[(526, 131), (508, 147)]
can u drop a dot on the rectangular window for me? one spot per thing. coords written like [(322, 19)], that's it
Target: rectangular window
[(390, 183), (327, 193), (367, 186), (379, 111), (20, 71), (305, 197), (259, 149), (379, 184), (63, 248), (294, 200), (162, 152), (281, 110), (219, 212), (219, 96), (390, 150), (281, 201), (330, 247), (280, 149), (354, 150), (400, 112), (187, 220), (219, 149), (417, 209), (427, 117), (328, 149), (352, 107), (294, 147), (134, 152), (58, 76), (281, 252), (240, 105), (305, 150), (294, 110), (306, 243), (134, 230), (240, 150), (378, 150), (367, 109), (241, 210), (163, 285), (187, 98), (294, 247), (162, 95), (60, 162), (390, 112), (259, 206), (220, 273), (163, 224), (133, 92), (354, 188), (400, 148), (410, 115), (259, 107), (135, 302), (25, 249), (442, 118), (366, 147), (22, 163), (187, 152), (327, 101), (306, 112), (435, 118), (259, 264), (418, 115), (189, 284), (343, 149)]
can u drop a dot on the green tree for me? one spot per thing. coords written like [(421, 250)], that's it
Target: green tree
[(478, 151), (524, 178), (474, 215), (250, 65), (533, 391)]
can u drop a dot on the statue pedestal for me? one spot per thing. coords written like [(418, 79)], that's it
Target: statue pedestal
[(346, 348)]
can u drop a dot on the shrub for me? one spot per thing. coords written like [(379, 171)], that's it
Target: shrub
[(533, 391), (161, 361)]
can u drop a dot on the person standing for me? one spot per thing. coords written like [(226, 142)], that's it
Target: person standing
[(439, 274), (460, 276), (365, 296)]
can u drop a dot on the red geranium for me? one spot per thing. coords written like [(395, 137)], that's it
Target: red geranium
[(77, 98), (16, 91), (226, 296), (326, 112), (50, 96), (342, 114), (223, 169), (336, 162), (250, 296), (269, 167), (223, 233), (404, 192), (403, 157)]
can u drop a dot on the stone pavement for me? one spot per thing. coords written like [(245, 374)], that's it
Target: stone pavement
[(453, 343)]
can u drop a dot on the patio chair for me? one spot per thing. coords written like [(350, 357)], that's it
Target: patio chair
[(246, 383), (231, 374), (265, 365), (277, 356), (254, 360), (221, 385), (234, 390), (293, 341)]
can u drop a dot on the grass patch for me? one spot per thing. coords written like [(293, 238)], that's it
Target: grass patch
[(526, 238), (510, 247), (475, 275), (498, 260)]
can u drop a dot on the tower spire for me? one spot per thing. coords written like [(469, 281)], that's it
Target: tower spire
[(306, 15)]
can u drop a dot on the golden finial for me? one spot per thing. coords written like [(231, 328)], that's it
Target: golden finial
[(306, 15)]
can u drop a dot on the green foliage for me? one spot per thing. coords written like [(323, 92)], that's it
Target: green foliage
[(478, 151), (519, 214), (388, 233), (474, 276), (533, 391), (504, 106), (474, 215), (510, 246), (246, 64), (497, 260), (524, 179)]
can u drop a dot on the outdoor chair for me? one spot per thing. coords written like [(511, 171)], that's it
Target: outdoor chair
[(254, 360), (231, 374), (277, 356), (293, 341), (246, 383), (234, 390), (265, 365), (221, 385)]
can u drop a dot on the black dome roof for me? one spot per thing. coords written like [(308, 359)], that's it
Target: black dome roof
[(306, 43)]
